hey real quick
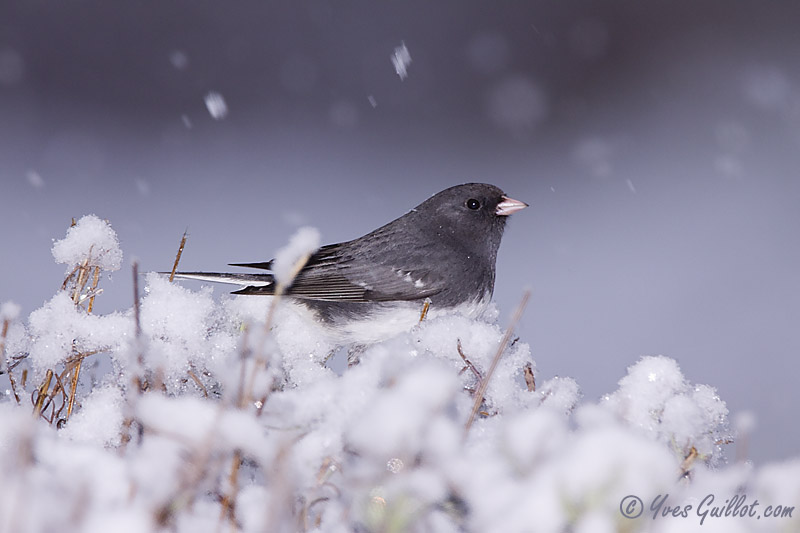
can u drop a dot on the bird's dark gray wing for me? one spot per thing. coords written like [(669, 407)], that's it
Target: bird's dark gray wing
[(325, 253), (365, 270)]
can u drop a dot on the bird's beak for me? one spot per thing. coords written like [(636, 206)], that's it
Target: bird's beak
[(508, 206)]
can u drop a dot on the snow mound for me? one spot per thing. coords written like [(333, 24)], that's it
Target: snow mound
[(656, 399)]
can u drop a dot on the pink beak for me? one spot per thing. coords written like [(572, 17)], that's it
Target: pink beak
[(508, 206)]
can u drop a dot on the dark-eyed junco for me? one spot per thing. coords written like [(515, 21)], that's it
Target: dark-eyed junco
[(375, 286)]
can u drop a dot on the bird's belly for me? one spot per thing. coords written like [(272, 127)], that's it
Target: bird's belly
[(386, 321), (380, 324)]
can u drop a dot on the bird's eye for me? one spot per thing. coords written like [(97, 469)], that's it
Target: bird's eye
[(473, 204)]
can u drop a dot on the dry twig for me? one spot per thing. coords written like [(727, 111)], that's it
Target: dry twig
[(4, 364), (138, 382), (228, 504), (688, 461), (198, 382), (76, 368), (500, 349), (530, 379), (246, 393), (178, 256), (468, 363), (41, 393)]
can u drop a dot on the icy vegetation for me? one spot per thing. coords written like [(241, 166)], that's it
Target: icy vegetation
[(216, 415)]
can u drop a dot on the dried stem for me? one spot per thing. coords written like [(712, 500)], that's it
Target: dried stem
[(229, 500), (41, 393), (136, 307), (530, 379), (93, 289), (76, 369), (260, 359), (81, 281), (58, 387), (327, 469), (688, 461), (178, 256), (198, 382), (69, 277), (13, 386), (137, 381), (196, 468), (500, 349), (83, 355), (4, 364), (467, 362), (281, 287), (75, 373)]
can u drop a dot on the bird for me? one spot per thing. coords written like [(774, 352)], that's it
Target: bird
[(440, 255)]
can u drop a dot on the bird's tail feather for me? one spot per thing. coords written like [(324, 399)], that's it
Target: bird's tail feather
[(246, 280)]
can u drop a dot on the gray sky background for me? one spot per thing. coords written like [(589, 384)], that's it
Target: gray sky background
[(656, 142)]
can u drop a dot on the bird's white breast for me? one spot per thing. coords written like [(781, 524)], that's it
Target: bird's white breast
[(389, 321)]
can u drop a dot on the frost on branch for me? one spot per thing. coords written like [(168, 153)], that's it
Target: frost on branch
[(59, 329), (64, 329)]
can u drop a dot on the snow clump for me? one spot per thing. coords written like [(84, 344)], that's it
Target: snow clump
[(90, 240)]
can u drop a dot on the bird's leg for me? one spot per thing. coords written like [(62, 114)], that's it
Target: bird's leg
[(425, 306)]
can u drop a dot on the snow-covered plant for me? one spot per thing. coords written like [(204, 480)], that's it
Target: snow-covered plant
[(220, 415)]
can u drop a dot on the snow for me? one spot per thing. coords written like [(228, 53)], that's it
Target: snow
[(90, 240), (179, 59), (216, 105), (380, 447), (99, 420), (34, 179), (401, 59), (9, 311), (59, 329), (656, 399), (175, 323), (517, 103), (767, 87), (745, 422)]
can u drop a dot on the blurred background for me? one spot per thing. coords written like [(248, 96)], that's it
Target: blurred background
[(657, 143)]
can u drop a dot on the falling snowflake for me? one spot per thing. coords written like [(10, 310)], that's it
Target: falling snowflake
[(401, 59), (216, 105), (34, 179)]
